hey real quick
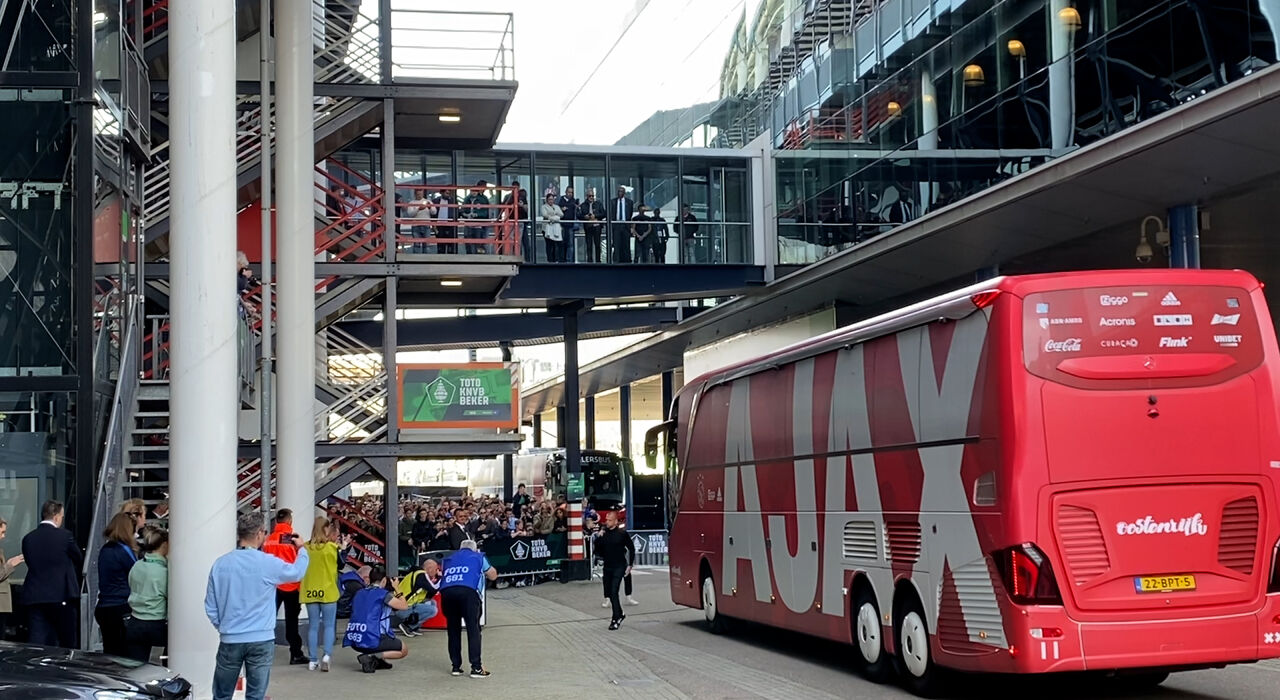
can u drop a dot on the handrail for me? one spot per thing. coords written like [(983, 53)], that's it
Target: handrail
[(440, 44), (110, 467)]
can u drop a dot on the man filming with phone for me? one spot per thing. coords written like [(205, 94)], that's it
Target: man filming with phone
[(279, 544), (240, 603)]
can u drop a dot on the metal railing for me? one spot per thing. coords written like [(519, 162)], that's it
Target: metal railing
[(451, 44), (346, 58), (111, 467), (454, 220)]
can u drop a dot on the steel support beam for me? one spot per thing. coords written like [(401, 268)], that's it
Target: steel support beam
[(589, 421), (624, 418)]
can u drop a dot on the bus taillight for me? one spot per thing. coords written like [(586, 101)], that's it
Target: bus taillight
[(1028, 575)]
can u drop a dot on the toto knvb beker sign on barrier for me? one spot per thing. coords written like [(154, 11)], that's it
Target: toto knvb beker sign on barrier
[(465, 395)]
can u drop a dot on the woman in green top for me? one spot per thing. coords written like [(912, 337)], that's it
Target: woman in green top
[(149, 596), (320, 592)]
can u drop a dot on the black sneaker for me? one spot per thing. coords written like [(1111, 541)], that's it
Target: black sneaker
[(456, 672), (406, 630), (381, 664), (368, 663), (480, 673), (614, 624), (296, 660)]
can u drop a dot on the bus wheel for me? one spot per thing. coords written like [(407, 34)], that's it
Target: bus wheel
[(873, 662), (711, 607), (919, 671)]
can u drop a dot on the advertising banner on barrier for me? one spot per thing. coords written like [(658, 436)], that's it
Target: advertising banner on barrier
[(527, 555), (651, 547), (460, 395)]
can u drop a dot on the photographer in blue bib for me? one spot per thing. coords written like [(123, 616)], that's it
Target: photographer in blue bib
[(465, 573), (369, 631)]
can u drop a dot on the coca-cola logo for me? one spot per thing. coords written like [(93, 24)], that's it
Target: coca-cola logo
[(1068, 345)]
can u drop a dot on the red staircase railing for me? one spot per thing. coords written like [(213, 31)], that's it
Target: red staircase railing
[(844, 125), (493, 228)]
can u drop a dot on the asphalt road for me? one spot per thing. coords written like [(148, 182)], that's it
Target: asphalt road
[(823, 668), (552, 641)]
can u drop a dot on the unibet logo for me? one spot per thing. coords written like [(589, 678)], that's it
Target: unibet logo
[(519, 550), (1167, 342), (1227, 341)]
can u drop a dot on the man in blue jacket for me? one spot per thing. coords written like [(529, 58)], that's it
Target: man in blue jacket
[(464, 575), (241, 603)]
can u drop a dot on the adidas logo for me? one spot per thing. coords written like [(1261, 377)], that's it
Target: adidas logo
[(1170, 300)]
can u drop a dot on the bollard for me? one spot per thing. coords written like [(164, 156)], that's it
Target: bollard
[(575, 532)]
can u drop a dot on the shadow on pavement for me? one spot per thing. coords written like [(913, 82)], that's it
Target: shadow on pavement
[(1063, 686)]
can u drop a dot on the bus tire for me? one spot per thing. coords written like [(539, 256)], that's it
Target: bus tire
[(915, 657), (873, 662), (717, 623)]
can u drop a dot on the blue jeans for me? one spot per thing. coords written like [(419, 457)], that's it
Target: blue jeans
[(322, 621), (424, 611), (255, 657)]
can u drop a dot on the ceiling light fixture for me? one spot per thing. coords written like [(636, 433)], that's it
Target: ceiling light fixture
[(450, 283), (450, 117)]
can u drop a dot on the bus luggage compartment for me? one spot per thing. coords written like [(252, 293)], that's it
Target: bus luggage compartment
[(1166, 547)]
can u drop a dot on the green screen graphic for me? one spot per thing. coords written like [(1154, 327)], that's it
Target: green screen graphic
[(457, 395)]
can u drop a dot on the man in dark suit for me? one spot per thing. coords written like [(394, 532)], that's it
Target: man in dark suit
[(621, 211), (592, 210), (458, 530), (52, 589)]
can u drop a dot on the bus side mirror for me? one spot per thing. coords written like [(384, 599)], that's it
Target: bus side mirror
[(651, 444)]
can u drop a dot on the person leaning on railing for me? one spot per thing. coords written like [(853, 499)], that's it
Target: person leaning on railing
[(148, 624)]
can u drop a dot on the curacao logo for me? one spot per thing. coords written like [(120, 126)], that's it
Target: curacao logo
[(1191, 526)]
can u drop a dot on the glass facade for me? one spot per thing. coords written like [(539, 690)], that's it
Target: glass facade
[(922, 103), (696, 207)]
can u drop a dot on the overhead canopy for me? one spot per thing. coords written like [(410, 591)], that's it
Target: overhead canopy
[(1209, 147)]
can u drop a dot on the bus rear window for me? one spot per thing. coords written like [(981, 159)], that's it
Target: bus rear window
[(1131, 336)]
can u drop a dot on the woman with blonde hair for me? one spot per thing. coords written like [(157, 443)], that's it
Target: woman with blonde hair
[(115, 559), (320, 592), (149, 596)]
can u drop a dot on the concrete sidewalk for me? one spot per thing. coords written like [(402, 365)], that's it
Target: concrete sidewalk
[(540, 646)]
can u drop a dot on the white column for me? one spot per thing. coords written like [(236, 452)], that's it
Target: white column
[(296, 324), (1062, 89), (928, 132), (203, 376)]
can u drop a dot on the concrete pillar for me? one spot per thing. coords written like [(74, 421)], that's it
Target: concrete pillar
[(1184, 237), (204, 385), (296, 324), (589, 421), (624, 418), (1062, 97), (928, 131)]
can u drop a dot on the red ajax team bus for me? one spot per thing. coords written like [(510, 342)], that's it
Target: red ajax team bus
[(1035, 474)]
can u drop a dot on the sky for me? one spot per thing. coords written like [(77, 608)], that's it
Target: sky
[(591, 71)]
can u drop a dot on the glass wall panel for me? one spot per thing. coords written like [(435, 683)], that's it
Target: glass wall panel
[(649, 185), (717, 194), (579, 189), (35, 463)]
